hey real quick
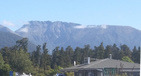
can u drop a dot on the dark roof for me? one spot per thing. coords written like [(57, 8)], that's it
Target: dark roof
[(104, 63)]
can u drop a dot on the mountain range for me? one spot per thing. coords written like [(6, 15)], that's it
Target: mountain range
[(64, 34), (8, 38)]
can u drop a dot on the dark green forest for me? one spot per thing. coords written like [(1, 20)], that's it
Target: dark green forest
[(41, 63)]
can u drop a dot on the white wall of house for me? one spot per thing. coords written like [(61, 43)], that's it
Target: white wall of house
[(89, 73), (80, 74), (17, 74), (99, 74)]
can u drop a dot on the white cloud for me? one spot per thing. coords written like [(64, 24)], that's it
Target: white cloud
[(104, 26), (83, 26), (24, 30), (80, 27), (91, 26), (7, 23)]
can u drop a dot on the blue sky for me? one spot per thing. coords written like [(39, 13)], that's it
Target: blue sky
[(15, 13)]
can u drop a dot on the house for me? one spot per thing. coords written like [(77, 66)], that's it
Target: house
[(104, 67)]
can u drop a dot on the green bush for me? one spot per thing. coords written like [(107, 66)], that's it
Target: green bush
[(69, 73)]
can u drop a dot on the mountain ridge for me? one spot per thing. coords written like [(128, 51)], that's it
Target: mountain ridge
[(64, 34), (8, 38)]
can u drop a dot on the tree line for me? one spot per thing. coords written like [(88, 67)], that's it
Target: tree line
[(41, 63)]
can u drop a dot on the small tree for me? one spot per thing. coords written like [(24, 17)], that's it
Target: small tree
[(20, 61), (1, 61), (4, 68), (69, 73), (127, 59)]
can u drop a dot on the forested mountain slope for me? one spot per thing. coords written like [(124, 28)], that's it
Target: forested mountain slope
[(8, 38)]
